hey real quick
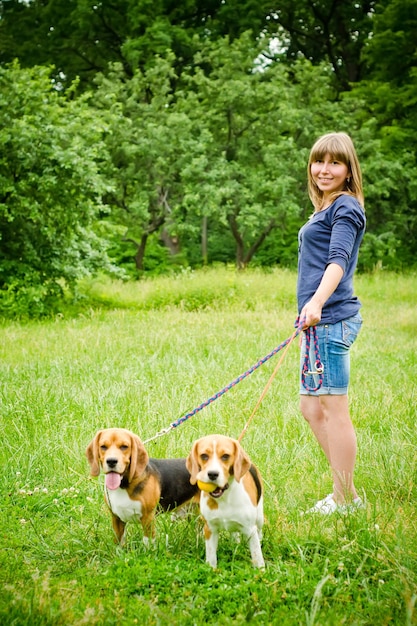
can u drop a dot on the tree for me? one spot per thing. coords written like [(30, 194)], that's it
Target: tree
[(51, 189), (80, 38), (149, 141), (391, 56), (262, 121), (324, 30), (388, 116), (76, 37)]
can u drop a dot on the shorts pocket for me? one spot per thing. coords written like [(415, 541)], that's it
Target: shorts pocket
[(350, 329)]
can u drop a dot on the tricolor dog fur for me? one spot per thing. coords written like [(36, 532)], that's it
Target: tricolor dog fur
[(135, 485), (235, 499)]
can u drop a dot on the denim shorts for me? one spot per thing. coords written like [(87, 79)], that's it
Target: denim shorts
[(334, 342)]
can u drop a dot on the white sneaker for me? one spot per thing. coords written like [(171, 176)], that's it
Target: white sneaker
[(325, 506), (328, 505)]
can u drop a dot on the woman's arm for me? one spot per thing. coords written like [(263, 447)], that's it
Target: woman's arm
[(312, 310)]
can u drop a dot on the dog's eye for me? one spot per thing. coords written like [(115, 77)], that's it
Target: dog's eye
[(124, 447), (225, 457), (104, 448), (204, 457)]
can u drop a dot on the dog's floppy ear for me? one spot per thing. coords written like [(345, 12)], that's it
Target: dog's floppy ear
[(92, 455), (191, 464), (241, 462), (139, 458)]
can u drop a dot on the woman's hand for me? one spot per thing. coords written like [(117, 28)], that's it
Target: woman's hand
[(312, 313)]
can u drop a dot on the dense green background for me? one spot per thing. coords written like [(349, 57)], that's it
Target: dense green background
[(143, 137)]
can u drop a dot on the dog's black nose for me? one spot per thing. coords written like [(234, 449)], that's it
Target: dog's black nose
[(111, 462), (213, 475)]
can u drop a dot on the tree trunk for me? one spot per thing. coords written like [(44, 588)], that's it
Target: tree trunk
[(242, 259), (171, 242), (240, 247), (140, 252), (257, 244)]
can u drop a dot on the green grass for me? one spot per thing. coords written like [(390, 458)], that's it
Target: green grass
[(142, 356)]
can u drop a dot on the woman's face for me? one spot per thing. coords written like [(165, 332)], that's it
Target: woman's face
[(329, 174)]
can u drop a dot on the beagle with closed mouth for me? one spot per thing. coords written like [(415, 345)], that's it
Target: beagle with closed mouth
[(136, 485), (231, 493)]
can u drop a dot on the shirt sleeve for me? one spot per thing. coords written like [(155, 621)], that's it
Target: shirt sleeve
[(347, 222)]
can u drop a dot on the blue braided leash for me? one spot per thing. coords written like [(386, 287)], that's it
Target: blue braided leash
[(305, 371)]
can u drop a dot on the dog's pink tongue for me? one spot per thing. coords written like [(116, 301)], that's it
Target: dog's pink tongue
[(113, 480)]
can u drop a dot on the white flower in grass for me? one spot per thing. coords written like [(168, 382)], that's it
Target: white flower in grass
[(44, 490), (23, 521)]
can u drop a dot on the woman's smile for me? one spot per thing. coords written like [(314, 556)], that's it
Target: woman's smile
[(329, 174)]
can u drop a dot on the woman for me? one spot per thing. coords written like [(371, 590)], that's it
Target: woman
[(328, 252)]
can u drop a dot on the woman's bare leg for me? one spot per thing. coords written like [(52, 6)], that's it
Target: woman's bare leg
[(329, 419)]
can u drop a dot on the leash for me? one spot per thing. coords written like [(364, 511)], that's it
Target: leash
[(267, 386), (318, 371), (311, 330), (285, 344)]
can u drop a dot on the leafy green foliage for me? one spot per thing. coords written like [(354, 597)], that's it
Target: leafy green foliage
[(325, 31), (391, 80), (191, 147), (150, 142), (390, 198), (249, 172), (50, 188), (81, 38)]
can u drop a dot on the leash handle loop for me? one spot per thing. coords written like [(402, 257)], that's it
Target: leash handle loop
[(318, 366)]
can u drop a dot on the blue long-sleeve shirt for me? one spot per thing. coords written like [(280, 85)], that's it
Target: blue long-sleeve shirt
[(332, 235)]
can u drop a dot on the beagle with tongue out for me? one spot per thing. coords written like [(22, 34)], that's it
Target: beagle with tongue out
[(231, 493), (134, 484)]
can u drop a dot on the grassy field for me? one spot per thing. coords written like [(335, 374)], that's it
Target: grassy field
[(142, 356)]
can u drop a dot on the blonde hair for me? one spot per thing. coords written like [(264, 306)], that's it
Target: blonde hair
[(341, 148)]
